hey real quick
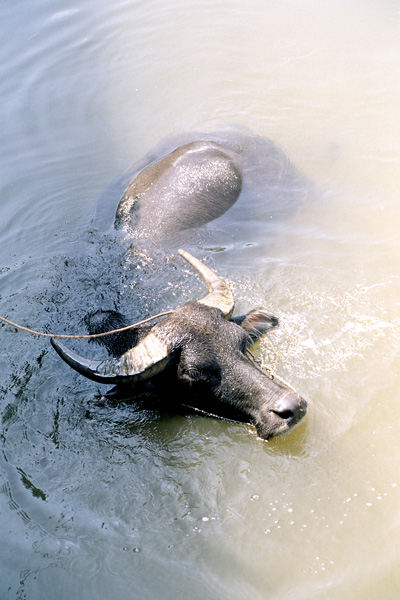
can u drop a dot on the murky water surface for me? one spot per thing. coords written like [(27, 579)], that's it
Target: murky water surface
[(102, 500)]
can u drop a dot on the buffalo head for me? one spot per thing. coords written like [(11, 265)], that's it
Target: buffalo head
[(205, 353)]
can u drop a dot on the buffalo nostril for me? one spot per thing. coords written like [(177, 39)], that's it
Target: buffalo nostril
[(290, 407), (284, 414)]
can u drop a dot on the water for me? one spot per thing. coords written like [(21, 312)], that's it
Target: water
[(101, 500)]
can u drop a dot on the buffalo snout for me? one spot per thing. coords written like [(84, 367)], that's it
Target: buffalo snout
[(280, 416), (291, 408)]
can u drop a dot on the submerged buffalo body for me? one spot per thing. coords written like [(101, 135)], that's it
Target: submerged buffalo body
[(194, 184), (199, 353)]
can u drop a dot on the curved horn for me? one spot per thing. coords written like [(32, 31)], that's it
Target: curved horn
[(152, 354), (220, 295), (145, 360)]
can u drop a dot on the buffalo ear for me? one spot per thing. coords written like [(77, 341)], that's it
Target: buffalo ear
[(256, 323), (117, 343)]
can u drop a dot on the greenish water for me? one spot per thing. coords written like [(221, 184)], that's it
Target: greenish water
[(100, 500)]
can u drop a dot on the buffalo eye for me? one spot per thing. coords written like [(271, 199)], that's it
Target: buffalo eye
[(205, 374), (194, 374)]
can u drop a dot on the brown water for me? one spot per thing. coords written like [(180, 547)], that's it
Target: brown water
[(100, 500)]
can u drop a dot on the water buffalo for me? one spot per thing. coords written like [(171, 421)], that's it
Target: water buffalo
[(199, 352)]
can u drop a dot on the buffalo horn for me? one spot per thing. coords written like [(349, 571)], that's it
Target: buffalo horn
[(145, 360), (152, 354), (219, 296)]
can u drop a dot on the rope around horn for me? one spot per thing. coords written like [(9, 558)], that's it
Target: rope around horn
[(87, 336)]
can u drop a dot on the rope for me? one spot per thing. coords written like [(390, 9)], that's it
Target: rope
[(87, 336)]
